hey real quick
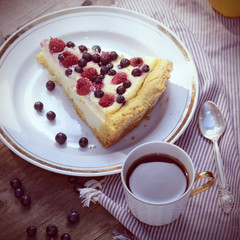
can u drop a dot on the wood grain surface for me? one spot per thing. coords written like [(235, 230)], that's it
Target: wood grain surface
[(52, 194)]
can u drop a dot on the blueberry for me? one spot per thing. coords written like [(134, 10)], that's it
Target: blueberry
[(120, 99), (121, 90), (87, 3), (104, 70), (61, 138), (70, 44), (109, 65), (83, 141), (26, 200), (51, 115), (51, 230), (31, 231), (87, 56), (113, 55), (99, 79), (15, 183), (96, 48), (98, 94), (76, 186), (78, 69), (50, 85), (61, 57), (73, 217), (82, 48), (136, 72), (124, 63), (96, 58), (105, 59), (127, 84), (145, 68), (65, 236), (72, 179), (38, 106), (68, 72), (19, 192), (112, 72), (82, 62)]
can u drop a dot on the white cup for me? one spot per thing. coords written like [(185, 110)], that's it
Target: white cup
[(161, 213)]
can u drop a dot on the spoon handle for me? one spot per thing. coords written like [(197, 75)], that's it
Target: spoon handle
[(226, 199)]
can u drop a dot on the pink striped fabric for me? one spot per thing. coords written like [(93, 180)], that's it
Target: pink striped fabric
[(214, 42)]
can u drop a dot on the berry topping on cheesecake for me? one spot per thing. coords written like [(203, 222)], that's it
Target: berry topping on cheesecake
[(110, 92)]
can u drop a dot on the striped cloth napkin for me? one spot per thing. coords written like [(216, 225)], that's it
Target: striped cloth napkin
[(214, 43)]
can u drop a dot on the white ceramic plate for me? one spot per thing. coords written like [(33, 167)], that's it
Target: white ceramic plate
[(22, 83)]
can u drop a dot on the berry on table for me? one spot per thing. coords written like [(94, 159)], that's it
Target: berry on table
[(51, 230), (31, 231), (65, 236), (76, 186), (15, 183), (19, 192), (73, 217), (26, 200)]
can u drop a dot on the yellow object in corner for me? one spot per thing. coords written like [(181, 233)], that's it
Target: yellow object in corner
[(228, 8)]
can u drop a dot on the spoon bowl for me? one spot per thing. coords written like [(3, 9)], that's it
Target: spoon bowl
[(211, 122), (212, 126)]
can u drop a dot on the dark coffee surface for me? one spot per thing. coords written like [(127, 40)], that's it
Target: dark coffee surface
[(157, 178)]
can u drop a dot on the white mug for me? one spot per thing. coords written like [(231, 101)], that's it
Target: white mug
[(161, 213)]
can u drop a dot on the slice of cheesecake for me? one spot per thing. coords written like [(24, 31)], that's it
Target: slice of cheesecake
[(111, 93)]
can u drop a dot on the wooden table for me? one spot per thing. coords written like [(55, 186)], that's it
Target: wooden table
[(52, 194)]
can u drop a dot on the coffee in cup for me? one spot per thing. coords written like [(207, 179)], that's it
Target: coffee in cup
[(158, 179)]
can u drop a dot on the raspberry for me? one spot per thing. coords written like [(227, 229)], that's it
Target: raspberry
[(83, 86), (97, 86), (105, 53), (56, 45), (119, 78), (107, 100), (89, 73), (136, 61), (69, 59)]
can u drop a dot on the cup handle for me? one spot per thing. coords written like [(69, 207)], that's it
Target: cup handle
[(205, 186)]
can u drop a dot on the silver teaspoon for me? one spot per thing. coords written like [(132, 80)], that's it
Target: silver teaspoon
[(212, 126)]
